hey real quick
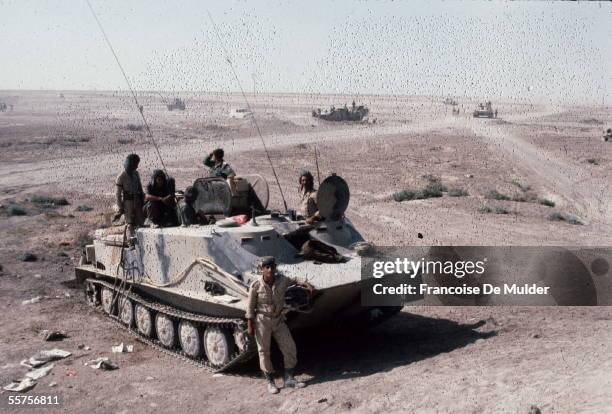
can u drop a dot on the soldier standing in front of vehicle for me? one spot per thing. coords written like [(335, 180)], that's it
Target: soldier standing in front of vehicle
[(129, 195), (266, 320)]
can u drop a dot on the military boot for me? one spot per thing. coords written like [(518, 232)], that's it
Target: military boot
[(272, 388), (291, 382)]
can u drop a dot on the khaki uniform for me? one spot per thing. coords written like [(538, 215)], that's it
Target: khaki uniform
[(265, 306), (130, 199), (308, 203)]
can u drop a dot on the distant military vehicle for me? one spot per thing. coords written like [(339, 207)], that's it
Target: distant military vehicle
[(240, 113), (607, 135), (354, 113), (178, 103), (485, 111), (184, 289), (450, 101)]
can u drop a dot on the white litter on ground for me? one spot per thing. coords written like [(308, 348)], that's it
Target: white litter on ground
[(31, 301), (43, 357), (38, 373), (102, 363), (121, 348), (22, 385)]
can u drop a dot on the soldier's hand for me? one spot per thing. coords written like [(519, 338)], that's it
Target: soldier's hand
[(250, 327)]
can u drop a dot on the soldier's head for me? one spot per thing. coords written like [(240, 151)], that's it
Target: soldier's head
[(131, 162), (306, 180), (268, 268), (159, 178), (218, 155), (190, 194)]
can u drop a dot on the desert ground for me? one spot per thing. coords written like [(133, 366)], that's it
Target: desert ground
[(537, 175)]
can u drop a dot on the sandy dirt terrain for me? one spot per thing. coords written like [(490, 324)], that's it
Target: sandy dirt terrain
[(426, 359)]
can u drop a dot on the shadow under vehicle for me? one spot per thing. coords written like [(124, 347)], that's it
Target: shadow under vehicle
[(184, 289)]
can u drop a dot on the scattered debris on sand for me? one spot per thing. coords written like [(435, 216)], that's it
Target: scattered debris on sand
[(102, 363), (122, 348), (49, 335), (43, 357), (28, 257), (22, 385), (38, 373), (35, 299)]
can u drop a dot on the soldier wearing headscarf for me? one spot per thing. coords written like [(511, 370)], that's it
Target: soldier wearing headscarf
[(160, 207)]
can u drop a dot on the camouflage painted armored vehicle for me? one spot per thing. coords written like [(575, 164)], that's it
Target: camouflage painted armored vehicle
[(354, 113), (184, 289), (178, 103)]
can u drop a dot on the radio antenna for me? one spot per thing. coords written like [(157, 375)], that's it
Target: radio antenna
[(140, 107), (246, 101), (317, 164)]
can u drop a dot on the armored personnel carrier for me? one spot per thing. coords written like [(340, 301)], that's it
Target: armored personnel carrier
[(354, 113), (485, 111), (607, 136), (177, 103), (184, 290)]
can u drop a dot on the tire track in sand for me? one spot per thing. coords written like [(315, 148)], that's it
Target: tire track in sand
[(590, 196)]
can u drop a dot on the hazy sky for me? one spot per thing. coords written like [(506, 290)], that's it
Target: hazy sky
[(559, 52)]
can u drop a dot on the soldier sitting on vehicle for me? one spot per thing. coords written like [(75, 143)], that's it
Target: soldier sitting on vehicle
[(265, 320), (308, 198), (160, 207), (186, 212), (129, 196), (217, 166)]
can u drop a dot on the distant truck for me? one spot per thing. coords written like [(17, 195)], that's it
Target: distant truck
[(240, 113), (354, 113), (178, 104), (485, 111)]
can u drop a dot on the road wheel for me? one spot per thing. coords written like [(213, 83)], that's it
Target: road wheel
[(219, 346), (189, 338), (91, 293), (164, 328), (144, 320), (126, 311), (108, 304)]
